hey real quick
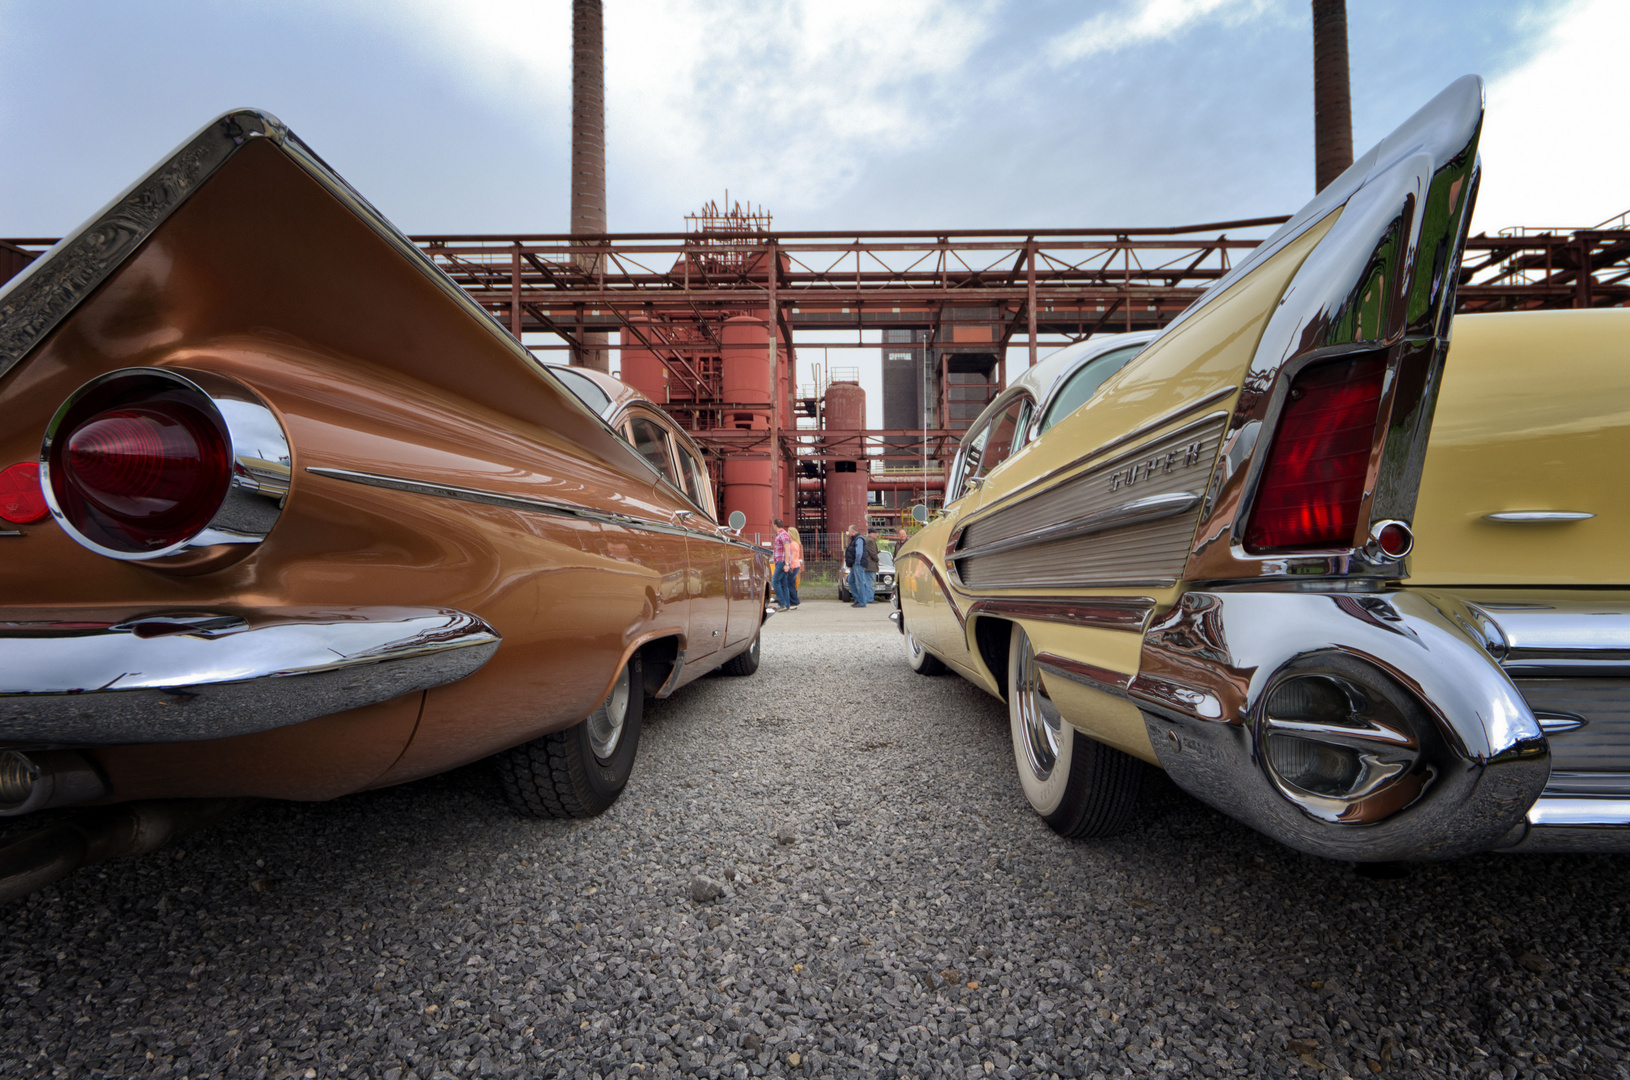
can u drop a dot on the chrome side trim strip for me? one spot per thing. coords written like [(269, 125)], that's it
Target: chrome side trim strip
[(1537, 517), (1110, 613), (1580, 811), (1135, 512), (508, 502), (1089, 675), (156, 677)]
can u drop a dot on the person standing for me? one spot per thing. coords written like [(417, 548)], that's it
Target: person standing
[(848, 564), (778, 553), (795, 565), (870, 563), (859, 584)]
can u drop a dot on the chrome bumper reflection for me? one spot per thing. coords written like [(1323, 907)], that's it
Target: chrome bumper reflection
[(1481, 759), (86, 679)]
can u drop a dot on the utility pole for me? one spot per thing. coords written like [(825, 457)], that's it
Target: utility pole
[(589, 153), (1332, 94)]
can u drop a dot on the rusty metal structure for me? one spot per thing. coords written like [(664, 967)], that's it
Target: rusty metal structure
[(963, 306), (589, 148), (1332, 93)]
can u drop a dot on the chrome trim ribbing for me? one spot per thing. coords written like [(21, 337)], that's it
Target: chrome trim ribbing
[(262, 462), (89, 679), (1145, 499)]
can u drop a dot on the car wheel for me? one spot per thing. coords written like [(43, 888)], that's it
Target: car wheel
[(921, 660), (743, 663), (1078, 785), (579, 772)]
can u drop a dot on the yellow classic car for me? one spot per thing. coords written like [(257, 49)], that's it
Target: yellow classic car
[(1232, 552)]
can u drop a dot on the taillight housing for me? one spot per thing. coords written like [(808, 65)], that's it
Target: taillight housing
[(21, 500), (1312, 485), (148, 463)]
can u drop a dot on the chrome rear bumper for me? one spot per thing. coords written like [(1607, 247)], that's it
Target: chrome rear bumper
[(106, 678)]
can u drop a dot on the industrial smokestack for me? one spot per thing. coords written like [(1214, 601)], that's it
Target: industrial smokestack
[(1332, 97), (589, 150)]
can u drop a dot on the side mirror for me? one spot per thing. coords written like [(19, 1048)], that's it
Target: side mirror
[(919, 514), (738, 521)]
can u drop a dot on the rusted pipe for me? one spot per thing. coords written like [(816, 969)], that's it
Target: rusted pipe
[(589, 154)]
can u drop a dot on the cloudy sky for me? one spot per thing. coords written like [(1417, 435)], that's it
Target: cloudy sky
[(835, 114), (879, 113)]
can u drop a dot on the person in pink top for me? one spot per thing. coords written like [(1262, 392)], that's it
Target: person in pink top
[(778, 553), (795, 564)]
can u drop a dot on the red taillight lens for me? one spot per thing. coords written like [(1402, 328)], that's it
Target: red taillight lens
[(142, 472), (21, 500), (1313, 482)]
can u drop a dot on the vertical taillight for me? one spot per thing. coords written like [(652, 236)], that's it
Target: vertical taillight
[(1311, 487)]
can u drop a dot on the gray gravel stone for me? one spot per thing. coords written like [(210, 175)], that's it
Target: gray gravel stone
[(704, 889), (924, 924)]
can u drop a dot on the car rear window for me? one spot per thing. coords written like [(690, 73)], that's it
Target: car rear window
[(584, 387), (1085, 383)]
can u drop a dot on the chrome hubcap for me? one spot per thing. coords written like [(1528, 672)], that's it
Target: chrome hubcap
[(1039, 719), (606, 722)]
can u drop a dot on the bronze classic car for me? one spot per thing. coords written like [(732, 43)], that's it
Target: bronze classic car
[(293, 526), (1238, 556)]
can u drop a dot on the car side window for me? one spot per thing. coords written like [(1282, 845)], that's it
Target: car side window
[(696, 482), (967, 463), (1085, 383), (649, 438), (1000, 438)]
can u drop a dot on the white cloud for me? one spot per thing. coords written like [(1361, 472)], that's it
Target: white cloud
[(1553, 147), (783, 102), (1145, 21)]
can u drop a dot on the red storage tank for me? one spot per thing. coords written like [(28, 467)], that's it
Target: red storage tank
[(641, 368), (846, 473), (745, 372), (747, 488)]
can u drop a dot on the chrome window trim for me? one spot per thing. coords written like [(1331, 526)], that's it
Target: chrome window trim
[(262, 463)]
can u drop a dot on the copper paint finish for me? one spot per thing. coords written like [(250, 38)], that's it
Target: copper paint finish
[(369, 367)]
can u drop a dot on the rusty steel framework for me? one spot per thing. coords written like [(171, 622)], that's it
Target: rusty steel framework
[(969, 296)]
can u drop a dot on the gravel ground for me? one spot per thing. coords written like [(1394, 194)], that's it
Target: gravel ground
[(889, 907)]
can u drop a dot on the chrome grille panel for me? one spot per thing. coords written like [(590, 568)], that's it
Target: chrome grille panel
[(1116, 540), (1596, 757)]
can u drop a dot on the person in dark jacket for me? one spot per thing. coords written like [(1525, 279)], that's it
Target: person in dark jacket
[(854, 553)]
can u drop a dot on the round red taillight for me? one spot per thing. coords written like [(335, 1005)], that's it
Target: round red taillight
[(21, 500), (1394, 539), (138, 465)]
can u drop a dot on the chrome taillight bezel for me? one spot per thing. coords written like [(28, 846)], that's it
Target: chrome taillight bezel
[(261, 464)]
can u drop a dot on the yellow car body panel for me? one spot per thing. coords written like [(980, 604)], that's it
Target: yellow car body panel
[(1534, 415)]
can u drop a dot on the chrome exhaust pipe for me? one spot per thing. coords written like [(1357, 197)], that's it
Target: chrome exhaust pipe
[(41, 779), (48, 855)]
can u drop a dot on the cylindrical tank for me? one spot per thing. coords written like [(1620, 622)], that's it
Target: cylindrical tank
[(747, 488), (744, 365), (643, 369), (846, 473)]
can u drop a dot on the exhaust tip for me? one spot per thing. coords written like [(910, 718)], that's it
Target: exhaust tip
[(44, 779)]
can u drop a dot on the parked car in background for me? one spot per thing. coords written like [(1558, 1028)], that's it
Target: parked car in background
[(883, 584), (294, 526), (1242, 559)]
